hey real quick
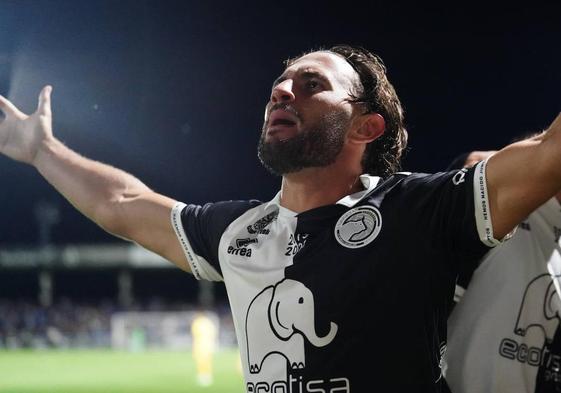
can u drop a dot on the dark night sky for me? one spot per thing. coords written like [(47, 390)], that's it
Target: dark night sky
[(174, 91)]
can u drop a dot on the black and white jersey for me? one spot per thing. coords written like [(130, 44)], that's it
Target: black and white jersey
[(350, 297)]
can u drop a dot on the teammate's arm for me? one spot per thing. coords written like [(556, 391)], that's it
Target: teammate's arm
[(523, 176), (115, 200)]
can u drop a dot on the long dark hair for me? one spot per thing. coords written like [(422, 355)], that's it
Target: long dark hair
[(382, 156)]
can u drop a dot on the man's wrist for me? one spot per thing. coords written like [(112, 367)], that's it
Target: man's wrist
[(47, 148)]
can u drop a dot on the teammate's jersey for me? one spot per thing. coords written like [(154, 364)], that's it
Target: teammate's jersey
[(504, 333), (350, 297)]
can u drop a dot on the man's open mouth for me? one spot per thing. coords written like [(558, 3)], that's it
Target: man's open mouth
[(283, 122)]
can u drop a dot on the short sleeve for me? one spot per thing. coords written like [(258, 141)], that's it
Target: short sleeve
[(199, 230), (453, 209)]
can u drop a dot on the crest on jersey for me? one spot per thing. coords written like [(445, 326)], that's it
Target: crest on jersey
[(358, 227)]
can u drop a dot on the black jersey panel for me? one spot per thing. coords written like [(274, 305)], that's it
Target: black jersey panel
[(443, 204), (204, 225), (441, 216), (389, 297)]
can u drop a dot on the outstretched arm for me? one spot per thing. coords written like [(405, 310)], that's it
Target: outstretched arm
[(523, 176), (115, 200)]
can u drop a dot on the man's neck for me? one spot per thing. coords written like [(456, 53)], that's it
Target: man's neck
[(315, 187)]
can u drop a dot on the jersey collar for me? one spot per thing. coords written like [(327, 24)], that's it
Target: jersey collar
[(368, 182)]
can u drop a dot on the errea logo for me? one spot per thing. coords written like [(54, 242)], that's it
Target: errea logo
[(242, 247), (358, 227)]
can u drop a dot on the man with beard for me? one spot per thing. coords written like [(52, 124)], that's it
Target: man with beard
[(343, 281)]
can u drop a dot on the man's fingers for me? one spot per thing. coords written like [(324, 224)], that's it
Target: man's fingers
[(8, 108), (44, 107)]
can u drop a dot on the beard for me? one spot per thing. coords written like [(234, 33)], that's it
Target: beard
[(314, 146)]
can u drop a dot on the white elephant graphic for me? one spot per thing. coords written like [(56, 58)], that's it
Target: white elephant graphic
[(278, 319), (540, 308)]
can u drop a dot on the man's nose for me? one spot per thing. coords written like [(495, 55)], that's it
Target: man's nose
[(282, 92)]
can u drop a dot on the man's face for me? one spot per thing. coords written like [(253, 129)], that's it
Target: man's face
[(308, 114)]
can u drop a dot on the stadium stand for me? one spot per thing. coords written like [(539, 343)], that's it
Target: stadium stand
[(66, 297)]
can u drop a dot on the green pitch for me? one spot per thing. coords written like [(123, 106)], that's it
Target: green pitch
[(86, 371)]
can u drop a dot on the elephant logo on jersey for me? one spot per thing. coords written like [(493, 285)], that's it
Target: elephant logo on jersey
[(358, 227), (278, 320), (540, 308)]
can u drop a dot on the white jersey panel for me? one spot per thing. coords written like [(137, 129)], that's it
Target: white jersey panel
[(252, 279)]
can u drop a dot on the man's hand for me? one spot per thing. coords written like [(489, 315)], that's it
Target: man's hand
[(21, 136), (115, 200)]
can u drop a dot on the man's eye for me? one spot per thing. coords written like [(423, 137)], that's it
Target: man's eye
[(312, 84)]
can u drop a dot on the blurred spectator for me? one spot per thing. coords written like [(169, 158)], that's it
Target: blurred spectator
[(71, 324)]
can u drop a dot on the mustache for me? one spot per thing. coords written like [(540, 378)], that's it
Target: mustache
[(285, 107)]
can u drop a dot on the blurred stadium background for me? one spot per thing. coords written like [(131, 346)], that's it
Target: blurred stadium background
[(86, 318), (173, 91)]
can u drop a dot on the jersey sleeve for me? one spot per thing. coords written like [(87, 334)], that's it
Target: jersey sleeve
[(541, 214), (454, 210), (199, 230)]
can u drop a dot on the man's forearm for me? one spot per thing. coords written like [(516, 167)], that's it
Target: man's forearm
[(94, 188), (115, 200), (523, 176)]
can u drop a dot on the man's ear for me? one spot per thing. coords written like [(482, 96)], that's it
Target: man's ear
[(367, 127)]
